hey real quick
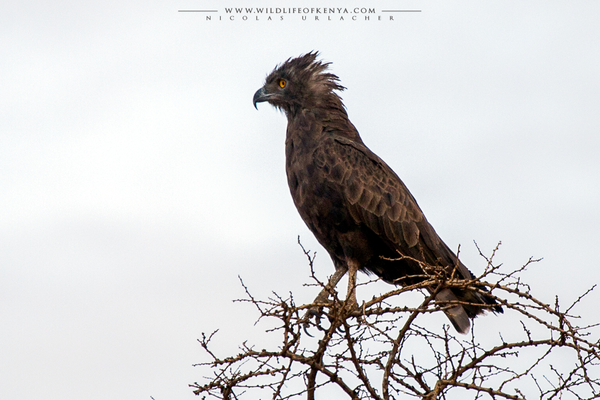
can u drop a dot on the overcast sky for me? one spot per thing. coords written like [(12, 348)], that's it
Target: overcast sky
[(137, 181)]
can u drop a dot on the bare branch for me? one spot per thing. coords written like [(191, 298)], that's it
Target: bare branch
[(391, 351)]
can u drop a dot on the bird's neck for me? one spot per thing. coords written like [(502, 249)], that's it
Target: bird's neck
[(304, 129), (308, 125)]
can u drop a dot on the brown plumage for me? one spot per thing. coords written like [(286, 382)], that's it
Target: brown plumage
[(356, 206)]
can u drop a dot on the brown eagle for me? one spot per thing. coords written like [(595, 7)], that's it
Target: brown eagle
[(352, 201)]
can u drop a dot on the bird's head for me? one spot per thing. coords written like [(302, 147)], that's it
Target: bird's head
[(300, 83)]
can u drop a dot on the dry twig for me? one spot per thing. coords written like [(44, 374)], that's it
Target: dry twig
[(389, 353)]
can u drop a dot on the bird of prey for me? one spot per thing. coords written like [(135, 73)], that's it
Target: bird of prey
[(352, 201)]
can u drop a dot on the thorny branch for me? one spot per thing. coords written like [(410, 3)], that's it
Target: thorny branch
[(393, 351)]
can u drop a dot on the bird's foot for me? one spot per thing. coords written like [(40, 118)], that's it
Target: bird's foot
[(336, 313), (315, 312), (316, 309), (353, 309)]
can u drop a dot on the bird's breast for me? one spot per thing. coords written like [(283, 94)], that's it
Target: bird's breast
[(318, 198)]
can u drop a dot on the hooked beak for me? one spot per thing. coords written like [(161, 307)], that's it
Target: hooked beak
[(260, 96)]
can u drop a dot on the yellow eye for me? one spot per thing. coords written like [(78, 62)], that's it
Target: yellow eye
[(282, 83)]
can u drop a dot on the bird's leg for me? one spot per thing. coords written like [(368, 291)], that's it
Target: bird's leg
[(333, 281), (351, 302), (322, 297)]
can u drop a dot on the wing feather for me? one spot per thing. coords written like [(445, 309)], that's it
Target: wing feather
[(410, 232), (353, 188), (376, 195)]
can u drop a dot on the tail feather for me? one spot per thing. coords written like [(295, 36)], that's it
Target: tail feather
[(456, 314)]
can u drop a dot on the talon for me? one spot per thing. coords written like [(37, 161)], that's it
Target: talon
[(354, 310), (310, 313), (305, 329)]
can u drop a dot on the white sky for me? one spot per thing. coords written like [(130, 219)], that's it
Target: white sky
[(137, 180)]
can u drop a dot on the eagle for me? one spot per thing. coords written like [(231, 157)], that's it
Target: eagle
[(353, 202)]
